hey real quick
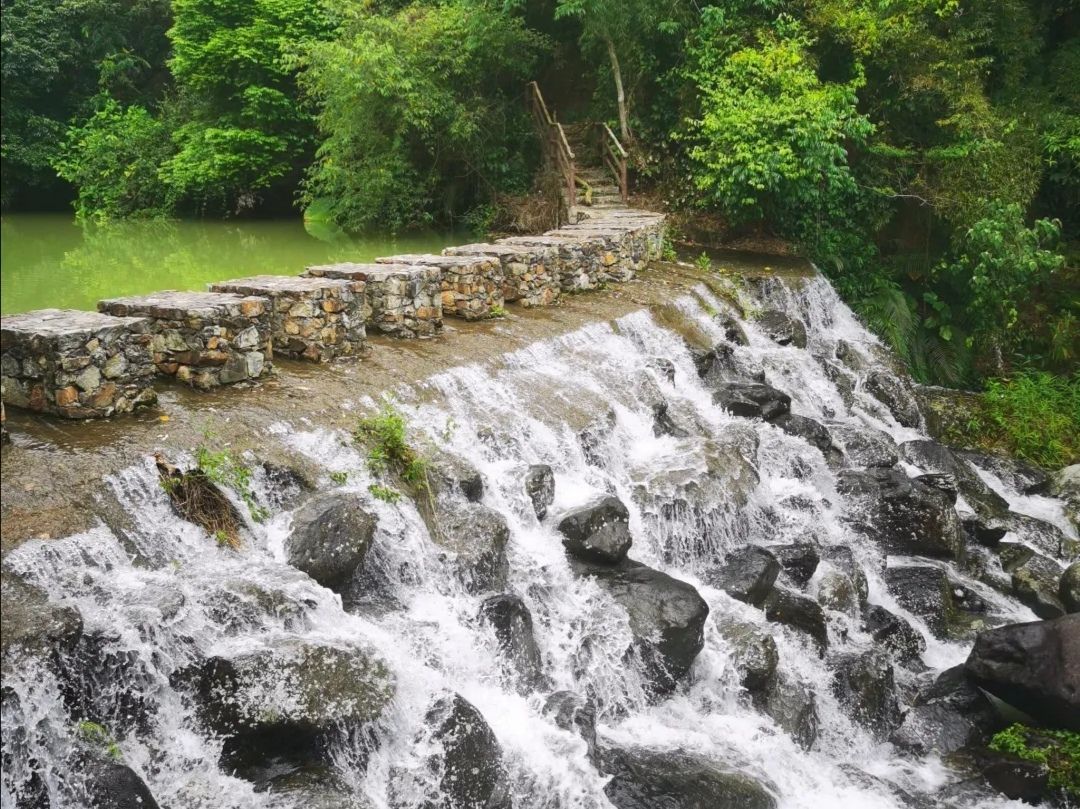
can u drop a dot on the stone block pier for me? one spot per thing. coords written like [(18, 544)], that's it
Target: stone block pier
[(96, 364)]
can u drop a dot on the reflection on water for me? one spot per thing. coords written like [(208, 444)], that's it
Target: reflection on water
[(47, 260)]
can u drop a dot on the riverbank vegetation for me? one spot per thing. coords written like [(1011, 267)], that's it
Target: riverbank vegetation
[(924, 153)]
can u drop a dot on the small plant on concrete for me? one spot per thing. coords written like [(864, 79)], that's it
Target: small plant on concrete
[(498, 311), (340, 477), (98, 736), (667, 249), (384, 493), (703, 262), (389, 451)]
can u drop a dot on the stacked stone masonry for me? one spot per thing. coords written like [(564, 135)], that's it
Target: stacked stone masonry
[(471, 287), (205, 339), (314, 319), (76, 364), (401, 300), (578, 263), (530, 275)]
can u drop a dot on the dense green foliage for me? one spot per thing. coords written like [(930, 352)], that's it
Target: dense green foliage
[(1059, 750), (420, 111), (925, 153)]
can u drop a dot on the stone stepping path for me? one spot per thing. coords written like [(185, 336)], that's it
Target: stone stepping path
[(95, 364)]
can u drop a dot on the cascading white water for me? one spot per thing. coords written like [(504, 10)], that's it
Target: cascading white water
[(164, 595)]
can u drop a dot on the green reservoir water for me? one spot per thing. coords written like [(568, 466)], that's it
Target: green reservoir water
[(48, 261)]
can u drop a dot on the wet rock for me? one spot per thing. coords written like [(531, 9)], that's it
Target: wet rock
[(110, 784), (1066, 485), (476, 536), (449, 473), (782, 329), (715, 365), (664, 367), (941, 482), (1034, 667), (540, 487), (896, 394), (647, 779), (32, 624), (753, 652), (513, 625), (923, 590), (793, 707), (933, 457), (1036, 580), (842, 558), (903, 515), (331, 535), (1016, 778), (733, 330), (752, 400), (836, 591), (593, 437), (798, 560), (798, 612), (949, 715), (1022, 476), (284, 699), (313, 787), (894, 633), (747, 574), (598, 532), (1043, 536), (1069, 589), (811, 431), (865, 447), (470, 764), (576, 714), (667, 617), (864, 685), (663, 424)]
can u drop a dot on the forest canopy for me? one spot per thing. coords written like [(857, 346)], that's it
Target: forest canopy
[(924, 153)]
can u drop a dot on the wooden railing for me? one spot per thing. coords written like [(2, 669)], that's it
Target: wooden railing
[(556, 147), (614, 157)]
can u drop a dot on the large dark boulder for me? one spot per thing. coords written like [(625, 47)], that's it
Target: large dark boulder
[(1036, 580), (782, 329), (894, 633), (930, 456), (813, 432), (475, 537), (450, 474), (1034, 667), (648, 779), (747, 574), (752, 651), (752, 400), (311, 786), (803, 614), (577, 714), (865, 447), (896, 394), (540, 487), (32, 624), (843, 559), (667, 617), (923, 590), (513, 625), (330, 537), (902, 515), (664, 424), (284, 699), (470, 765), (864, 685), (793, 707), (1043, 536), (598, 532), (798, 560), (1069, 588)]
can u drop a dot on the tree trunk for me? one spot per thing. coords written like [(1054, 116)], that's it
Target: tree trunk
[(624, 118)]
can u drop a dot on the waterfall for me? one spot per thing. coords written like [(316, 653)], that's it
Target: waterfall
[(158, 597)]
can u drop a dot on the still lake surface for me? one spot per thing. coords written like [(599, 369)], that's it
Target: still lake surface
[(49, 261)]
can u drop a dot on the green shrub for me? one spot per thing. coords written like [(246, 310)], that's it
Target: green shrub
[(1059, 750), (389, 451)]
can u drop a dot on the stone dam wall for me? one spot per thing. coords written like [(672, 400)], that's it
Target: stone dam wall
[(80, 365)]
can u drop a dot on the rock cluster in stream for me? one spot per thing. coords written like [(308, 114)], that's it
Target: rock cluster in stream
[(923, 506)]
